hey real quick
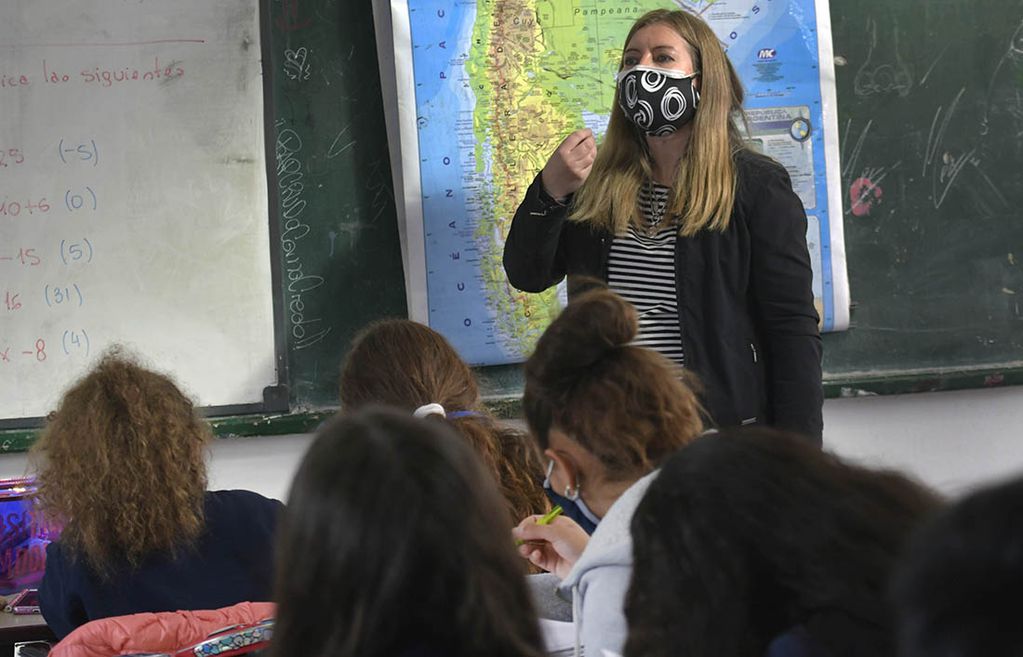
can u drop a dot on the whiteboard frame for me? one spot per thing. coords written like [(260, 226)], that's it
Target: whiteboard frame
[(276, 396)]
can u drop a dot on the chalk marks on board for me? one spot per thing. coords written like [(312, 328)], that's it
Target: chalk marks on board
[(1013, 56), (866, 193), (934, 64), (878, 74), (296, 64), (336, 147), (947, 169), (305, 330)]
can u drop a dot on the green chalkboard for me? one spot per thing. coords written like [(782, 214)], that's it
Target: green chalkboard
[(930, 104), (337, 233), (930, 99), (931, 127)]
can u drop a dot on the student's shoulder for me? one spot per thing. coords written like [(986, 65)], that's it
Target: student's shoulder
[(240, 504), (57, 555)]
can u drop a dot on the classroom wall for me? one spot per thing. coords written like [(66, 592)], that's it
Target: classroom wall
[(951, 440)]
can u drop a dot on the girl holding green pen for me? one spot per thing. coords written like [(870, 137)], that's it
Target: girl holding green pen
[(606, 414)]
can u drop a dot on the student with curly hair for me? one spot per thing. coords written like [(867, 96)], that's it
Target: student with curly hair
[(753, 543), (606, 413), (409, 366), (121, 464), (396, 545)]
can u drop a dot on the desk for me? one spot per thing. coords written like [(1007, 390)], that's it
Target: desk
[(15, 628)]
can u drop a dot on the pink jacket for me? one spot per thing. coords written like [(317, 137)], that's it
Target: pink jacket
[(165, 632)]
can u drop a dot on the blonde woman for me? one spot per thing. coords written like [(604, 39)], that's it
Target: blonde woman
[(702, 235), (122, 464)]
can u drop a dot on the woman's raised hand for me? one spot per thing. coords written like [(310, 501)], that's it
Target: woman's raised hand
[(568, 167)]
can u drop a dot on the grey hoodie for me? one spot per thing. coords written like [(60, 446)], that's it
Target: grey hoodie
[(597, 584)]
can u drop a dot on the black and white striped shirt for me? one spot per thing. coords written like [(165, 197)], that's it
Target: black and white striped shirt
[(641, 269)]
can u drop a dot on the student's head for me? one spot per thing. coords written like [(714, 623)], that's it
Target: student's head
[(121, 462), (605, 411), (704, 194), (407, 365), (959, 587), (395, 540), (747, 533)]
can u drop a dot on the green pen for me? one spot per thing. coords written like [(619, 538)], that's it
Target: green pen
[(549, 517), (545, 519)]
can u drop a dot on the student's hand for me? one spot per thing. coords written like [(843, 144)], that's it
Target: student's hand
[(570, 164), (554, 547)]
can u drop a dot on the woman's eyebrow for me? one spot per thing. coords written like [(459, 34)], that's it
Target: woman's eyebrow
[(661, 47)]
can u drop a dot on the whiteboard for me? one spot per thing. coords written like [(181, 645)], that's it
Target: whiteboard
[(134, 197)]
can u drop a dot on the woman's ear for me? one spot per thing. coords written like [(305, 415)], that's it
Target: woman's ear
[(565, 473)]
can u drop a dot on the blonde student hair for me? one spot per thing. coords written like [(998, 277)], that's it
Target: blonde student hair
[(704, 188)]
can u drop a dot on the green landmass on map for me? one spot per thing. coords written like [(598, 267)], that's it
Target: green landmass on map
[(538, 69)]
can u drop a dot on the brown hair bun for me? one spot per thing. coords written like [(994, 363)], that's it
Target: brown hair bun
[(627, 405), (590, 328)]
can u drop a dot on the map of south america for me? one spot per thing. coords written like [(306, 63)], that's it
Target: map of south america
[(498, 85)]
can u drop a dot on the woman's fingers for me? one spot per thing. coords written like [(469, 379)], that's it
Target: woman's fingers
[(568, 166), (577, 139)]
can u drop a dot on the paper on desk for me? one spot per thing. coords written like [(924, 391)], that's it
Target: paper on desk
[(558, 637)]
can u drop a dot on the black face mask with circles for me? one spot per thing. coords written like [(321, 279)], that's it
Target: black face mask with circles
[(658, 100)]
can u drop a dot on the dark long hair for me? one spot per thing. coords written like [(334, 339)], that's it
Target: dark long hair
[(395, 539), (406, 365), (958, 589), (748, 533), (627, 405)]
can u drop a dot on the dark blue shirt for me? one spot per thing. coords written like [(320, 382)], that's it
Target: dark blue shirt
[(231, 562)]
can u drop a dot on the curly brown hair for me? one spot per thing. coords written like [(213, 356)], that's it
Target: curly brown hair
[(403, 364), (121, 463), (627, 405)]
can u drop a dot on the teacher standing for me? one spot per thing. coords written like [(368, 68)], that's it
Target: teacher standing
[(702, 235)]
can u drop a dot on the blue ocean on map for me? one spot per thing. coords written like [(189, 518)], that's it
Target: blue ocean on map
[(456, 299)]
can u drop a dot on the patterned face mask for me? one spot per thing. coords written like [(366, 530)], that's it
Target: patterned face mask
[(658, 100)]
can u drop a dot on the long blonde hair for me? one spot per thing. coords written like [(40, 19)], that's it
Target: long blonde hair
[(704, 190)]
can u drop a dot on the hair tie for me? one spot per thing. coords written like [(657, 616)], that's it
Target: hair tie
[(454, 415), (429, 409)]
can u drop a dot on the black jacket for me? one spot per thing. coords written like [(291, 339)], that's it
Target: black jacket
[(232, 562), (745, 297)]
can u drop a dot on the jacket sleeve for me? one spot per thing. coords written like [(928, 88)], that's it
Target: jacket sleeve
[(532, 257), (783, 305), (602, 619), (60, 606)]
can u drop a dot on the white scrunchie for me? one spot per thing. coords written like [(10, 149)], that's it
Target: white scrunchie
[(429, 409)]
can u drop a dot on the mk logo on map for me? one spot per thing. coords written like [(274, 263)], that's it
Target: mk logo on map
[(766, 54)]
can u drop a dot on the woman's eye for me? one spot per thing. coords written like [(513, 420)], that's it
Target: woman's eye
[(629, 61), (664, 58)]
